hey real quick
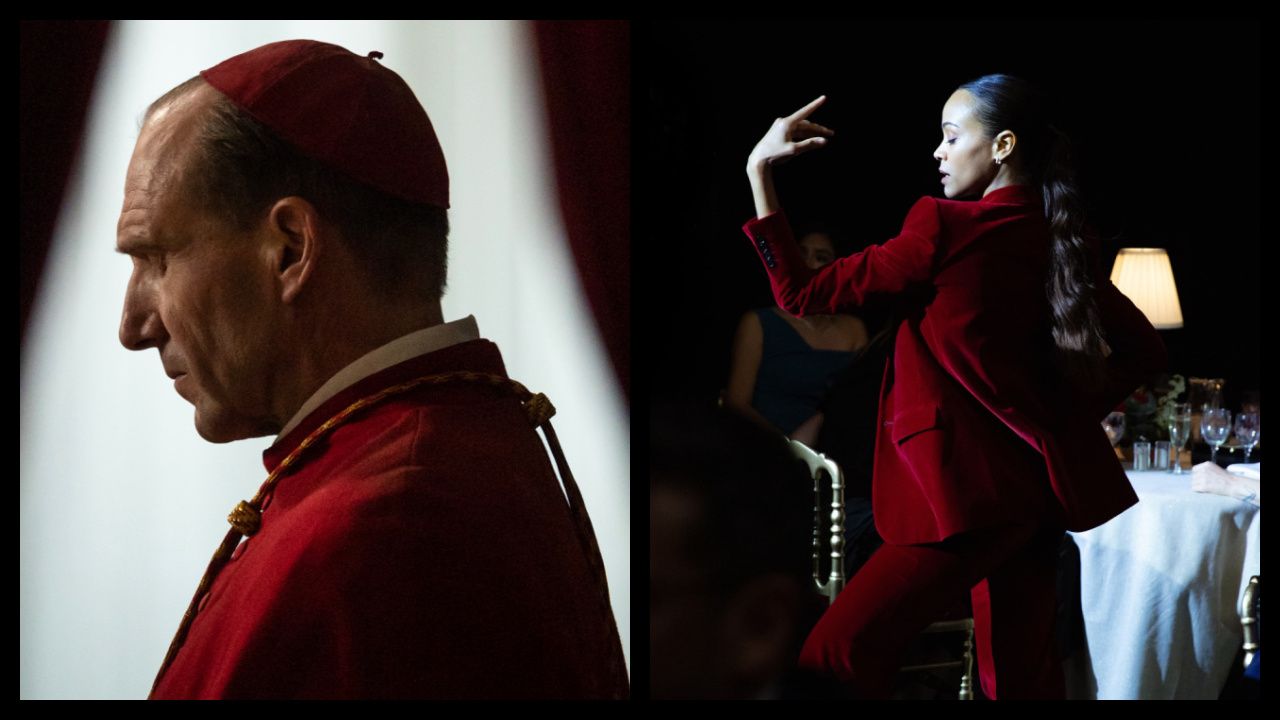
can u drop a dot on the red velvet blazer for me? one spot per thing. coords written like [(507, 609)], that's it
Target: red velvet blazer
[(976, 428)]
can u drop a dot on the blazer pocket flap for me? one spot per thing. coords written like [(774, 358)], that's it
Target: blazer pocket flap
[(915, 420)]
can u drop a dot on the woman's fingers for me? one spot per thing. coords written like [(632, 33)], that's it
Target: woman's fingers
[(805, 111), (810, 144), (815, 128)]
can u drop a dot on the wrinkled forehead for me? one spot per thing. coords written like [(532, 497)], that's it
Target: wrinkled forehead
[(149, 167), (167, 137), (154, 177), (146, 180)]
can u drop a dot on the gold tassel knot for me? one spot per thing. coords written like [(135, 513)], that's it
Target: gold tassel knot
[(245, 518), (539, 408)]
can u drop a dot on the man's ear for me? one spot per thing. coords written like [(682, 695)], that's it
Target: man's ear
[(295, 229)]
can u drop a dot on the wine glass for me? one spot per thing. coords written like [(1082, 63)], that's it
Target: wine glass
[(1202, 392), (1179, 433), (1247, 431), (1113, 426), (1215, 425)]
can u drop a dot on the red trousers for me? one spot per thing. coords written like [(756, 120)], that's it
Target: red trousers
[(1010, 573)]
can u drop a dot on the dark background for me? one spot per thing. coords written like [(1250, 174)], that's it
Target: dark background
[(1164, 115)]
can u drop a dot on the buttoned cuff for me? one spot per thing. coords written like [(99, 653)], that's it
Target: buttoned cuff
[(760, 230)]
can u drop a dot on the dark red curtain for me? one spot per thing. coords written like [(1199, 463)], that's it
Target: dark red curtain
[(586, 75), (57, 64)]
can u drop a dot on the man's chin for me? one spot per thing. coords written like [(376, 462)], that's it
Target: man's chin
[(225, 430)]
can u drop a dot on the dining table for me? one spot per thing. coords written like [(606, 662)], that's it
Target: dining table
[(1161, 587)]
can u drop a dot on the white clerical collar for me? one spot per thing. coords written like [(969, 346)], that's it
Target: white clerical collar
[(419, 342)]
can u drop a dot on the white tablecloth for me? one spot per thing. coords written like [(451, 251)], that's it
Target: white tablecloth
[(1160, 587)]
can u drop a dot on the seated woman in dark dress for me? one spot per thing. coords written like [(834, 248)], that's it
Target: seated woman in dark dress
[(816, 379), (782, 365)]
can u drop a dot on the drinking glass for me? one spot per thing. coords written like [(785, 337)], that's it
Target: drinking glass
[(1161, 460), (1141, 455), (1247, 431), (1215, 425), (1179, 433)]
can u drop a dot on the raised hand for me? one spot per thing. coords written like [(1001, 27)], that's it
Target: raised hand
[(790, 136)]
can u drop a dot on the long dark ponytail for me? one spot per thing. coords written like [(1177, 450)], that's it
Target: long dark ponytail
[(1005, 102)]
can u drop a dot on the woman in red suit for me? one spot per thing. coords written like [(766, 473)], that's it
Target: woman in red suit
[(1011, 349)]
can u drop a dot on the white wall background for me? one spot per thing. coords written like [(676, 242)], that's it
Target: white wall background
[(122, 503)]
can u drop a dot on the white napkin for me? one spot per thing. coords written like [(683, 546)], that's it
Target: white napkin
[(1249, 470)]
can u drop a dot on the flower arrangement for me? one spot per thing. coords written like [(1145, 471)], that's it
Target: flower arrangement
[(1174, 386), (1149, 412)]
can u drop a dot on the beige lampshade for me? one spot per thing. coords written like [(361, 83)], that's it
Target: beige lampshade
[(1145, 277)]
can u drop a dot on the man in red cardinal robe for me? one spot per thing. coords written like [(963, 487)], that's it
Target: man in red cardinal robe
[(286, 215)]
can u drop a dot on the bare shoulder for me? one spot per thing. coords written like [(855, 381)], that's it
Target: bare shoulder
[(749, 322), (854, 329)]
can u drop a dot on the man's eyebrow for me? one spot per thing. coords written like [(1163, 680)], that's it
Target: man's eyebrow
[(137, 247)]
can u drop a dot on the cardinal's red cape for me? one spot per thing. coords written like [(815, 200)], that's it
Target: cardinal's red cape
[(423, 549)]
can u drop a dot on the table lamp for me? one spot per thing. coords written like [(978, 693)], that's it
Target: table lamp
[(1145, 277)]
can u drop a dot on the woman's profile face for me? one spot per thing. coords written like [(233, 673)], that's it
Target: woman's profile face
[(817, 250), (966, 153)]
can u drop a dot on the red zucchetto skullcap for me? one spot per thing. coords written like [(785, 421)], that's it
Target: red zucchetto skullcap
[(346, 111)]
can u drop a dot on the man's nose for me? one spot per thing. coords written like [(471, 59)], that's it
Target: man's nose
[(140, 326)]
